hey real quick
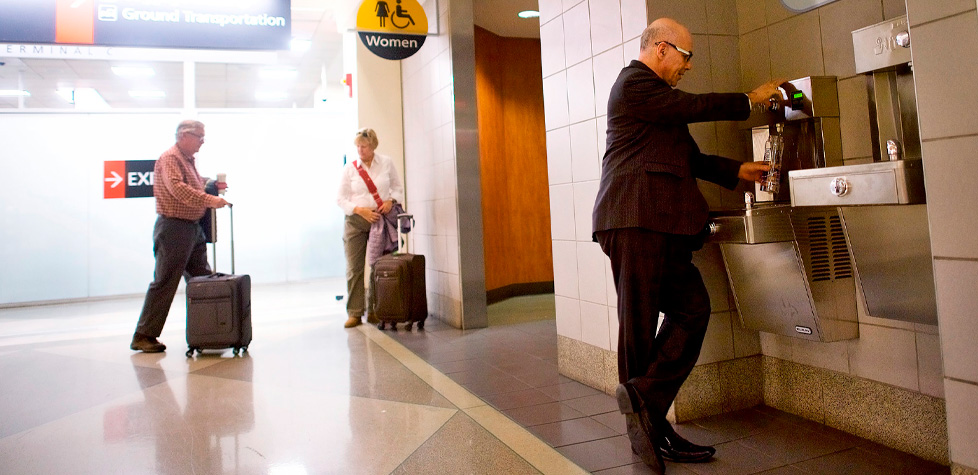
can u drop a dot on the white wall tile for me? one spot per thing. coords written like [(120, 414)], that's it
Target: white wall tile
[(594, 325), (584, 195), (777, 346), (555, 100), (887, 355), (962, 427), (606, 66), (568, 4), (559, 156), (562, 212), (613, 327), (586, 164), (952, 196), (592, 280), (611, 290), (549, 9), (568, 317), (633, 19), (580, 92), (605, 24), (552, 47), (832, 356), (631, 49), (718, 344), (930, 365), (565, 269), (602, 125), (956, 304), (920, 11), (577, 34), (946, 104), (746, 342)]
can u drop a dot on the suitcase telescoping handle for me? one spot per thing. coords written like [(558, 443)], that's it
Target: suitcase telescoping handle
[(231, 226), (405, 221), (230, 210)]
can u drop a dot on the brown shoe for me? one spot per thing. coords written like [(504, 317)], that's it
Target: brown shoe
[(352, 322), (146, 344)]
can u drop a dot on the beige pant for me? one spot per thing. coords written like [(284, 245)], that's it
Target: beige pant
[(356, 230)]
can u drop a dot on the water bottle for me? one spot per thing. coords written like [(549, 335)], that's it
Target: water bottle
[(773, 149)]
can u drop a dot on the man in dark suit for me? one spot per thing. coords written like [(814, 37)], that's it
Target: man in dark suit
[(649, 217)]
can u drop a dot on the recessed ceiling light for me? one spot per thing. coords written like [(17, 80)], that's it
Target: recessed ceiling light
[(14, 93), (133, 71), (529, 14), (270, 96), (278, 73), (147, 94)]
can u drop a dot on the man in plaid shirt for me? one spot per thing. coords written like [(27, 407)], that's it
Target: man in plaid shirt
[(178, 240)]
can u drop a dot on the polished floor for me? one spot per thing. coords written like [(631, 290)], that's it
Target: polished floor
[(310, 397)]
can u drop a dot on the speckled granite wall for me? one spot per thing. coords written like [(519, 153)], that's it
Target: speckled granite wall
[(905, 420), (711, 389)]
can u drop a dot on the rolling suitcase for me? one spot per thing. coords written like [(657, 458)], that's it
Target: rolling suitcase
[(219, 309), (399, 285)]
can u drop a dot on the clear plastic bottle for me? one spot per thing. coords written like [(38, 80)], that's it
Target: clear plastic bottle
[(773, 149)]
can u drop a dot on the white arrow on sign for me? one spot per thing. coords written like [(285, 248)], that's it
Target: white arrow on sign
[(116, 178)]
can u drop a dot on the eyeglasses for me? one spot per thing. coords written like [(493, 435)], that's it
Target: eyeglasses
[(687, 55), (201, 137)]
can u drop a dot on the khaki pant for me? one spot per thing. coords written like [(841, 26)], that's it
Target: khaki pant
[(356, 230)]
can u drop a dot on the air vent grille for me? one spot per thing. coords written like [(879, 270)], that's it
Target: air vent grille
[(825, 242)]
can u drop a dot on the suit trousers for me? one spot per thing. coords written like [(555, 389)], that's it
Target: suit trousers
[(356, 232), (654, 273), (181, 250)]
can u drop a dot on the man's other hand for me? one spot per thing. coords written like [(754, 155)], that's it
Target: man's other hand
[(752, 171)]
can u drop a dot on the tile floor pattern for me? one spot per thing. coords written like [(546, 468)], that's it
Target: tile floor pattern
[(313, 398)]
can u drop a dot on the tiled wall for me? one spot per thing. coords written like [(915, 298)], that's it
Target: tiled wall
[(439, 144), (945, 55)]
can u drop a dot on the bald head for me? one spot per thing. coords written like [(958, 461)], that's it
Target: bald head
[(666, 48)]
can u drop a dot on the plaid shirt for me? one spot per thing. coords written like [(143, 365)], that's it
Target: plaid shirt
[(178, 188)]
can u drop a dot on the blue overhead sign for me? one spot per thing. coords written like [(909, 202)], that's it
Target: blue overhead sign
[(217, 24)]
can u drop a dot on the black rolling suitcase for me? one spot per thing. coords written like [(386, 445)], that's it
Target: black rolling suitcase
[(219, 309), (399, 285)]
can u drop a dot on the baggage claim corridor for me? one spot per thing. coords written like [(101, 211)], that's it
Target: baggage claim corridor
[(310, 397)]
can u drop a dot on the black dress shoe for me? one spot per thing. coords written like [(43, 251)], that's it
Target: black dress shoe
[(674, 448), (641, 433)]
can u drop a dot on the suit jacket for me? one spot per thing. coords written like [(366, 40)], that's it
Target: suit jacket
[(649, 171)]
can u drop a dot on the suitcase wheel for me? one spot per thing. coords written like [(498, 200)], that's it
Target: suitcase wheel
[(409, 326), (393, 327), (421, 325), (381, 325), (190, 352)]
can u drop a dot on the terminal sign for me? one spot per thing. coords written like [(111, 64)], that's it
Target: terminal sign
[(392, 29), (129, 179)]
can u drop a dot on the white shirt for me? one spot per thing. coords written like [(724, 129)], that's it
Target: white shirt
[(353, 191)]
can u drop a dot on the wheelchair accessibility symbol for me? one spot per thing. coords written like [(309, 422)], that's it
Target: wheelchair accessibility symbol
[(392, 29), (399, 15)]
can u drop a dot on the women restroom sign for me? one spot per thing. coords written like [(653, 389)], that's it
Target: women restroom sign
[(392, 29), (129, 179)]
